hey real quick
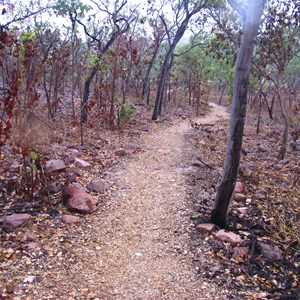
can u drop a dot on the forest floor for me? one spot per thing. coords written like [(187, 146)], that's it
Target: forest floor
[(142, 242)]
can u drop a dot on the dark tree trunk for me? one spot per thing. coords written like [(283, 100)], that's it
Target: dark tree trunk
[(146, 83), (283, 146), (222, 93), (238, 112), (161, 84), (168, 58), (86, 93)]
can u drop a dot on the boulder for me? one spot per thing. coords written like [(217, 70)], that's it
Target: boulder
[(78, 200), (16, 220), (206, 227), (54, 165), (270, 252), (97, 185), (228, 236), (80, 163)]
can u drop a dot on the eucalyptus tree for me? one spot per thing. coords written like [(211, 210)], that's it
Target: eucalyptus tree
[(251, 18), (183, 11), (278, 44), (106, 21)]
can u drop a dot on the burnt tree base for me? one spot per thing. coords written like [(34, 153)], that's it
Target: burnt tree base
[(217, 219)]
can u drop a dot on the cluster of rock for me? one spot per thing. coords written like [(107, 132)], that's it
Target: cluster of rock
[(74, 196), (241, 253)]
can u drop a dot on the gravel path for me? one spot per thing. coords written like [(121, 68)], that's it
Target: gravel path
[(137, 245), (145, 248)]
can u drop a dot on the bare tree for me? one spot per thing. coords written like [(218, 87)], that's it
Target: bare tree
[(183, 11), (116, 23)]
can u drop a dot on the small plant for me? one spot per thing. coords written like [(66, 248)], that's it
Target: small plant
[(125, 113)]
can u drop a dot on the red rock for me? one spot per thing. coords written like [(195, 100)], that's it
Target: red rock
[(270, 252), (240, 253), (228, 236), (239, 187), (80, 163), (78, 200), (206, 227), (16, 220), (239, 197), (55, 165), (98, 185), (68, 219)]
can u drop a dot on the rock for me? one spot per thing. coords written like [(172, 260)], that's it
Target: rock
[(270, 252), (243, 210), (245, 170), (145, 128), (80, 163), (73, 171), (206, 227), (68, 219), (296, 145), (74, 152), (121, 185), (98, 185), (67, 144), (240, 253), (126, 150), (215, 269), (228, 236), (239, 187), (259, 195), (16, 220), (54, 165), (29, 236), (284, 161), (78, 200), (54, 187), (80, 186), (239, 197), (14, 167), (262, 148), (31, 246), (120, 152)]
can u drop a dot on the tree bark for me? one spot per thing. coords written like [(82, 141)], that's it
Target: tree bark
[(222, 94), (238, 113), (168, 58)]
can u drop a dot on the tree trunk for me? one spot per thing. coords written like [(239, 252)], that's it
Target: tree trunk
[(282, 150), (238, 112), (222, 93), (86, 93), (146, 83)]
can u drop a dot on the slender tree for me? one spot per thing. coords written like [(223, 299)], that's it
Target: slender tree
[(251, 21), (183, 10)]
